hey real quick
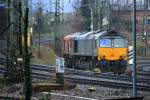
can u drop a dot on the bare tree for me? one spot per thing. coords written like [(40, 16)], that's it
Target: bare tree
[(39, 22), (77, 19)]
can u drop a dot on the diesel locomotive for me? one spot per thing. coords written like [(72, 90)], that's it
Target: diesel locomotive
[(106, 50)]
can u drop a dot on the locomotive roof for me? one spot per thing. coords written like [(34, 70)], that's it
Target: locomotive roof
[(113, 33), (85, 35), (73, 35), (97, 34), (93, 34)]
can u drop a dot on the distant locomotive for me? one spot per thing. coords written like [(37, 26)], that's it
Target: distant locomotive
[(106, 50)]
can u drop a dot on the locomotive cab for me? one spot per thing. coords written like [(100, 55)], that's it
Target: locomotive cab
[(113, 53)]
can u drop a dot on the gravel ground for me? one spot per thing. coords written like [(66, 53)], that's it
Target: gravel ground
[(80, 91), (100, 93), (1, 55)]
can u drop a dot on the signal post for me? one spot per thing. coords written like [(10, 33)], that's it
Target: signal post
[(60, 70)]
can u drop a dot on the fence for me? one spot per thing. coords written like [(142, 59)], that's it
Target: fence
[(143, 52)]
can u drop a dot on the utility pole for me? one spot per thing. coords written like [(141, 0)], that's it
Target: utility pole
[(11, 44), (62, 27), (109, 12), (50, 17), (145, 21), (8, 42), (58, 29), (30, 12), (105, 14), (20, 28), (91, 8), (57, 19), (98, 14), (28, 84), (40, 11), (39, 49), (59, 22), (134, 50)]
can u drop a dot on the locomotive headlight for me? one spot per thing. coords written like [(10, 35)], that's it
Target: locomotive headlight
[(102, 56), (122, 56)]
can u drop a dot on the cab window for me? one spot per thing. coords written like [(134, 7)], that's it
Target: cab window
[(105, 43), (120, 43)]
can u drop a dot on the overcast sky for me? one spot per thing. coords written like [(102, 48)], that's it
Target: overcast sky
[(67, 6)]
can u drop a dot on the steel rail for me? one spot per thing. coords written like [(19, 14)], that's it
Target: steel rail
[(48, 69), (92, 81), (111, 84)]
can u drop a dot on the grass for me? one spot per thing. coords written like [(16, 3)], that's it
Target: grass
[(47, 56), (43, 35), (2, 80)]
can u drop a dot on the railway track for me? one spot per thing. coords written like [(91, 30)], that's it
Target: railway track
[(51, 69), (144, 73), (94, 81), (42, 72), (114, 77), (3, 44), (9, 98), (126, 78), (46, 68), (102, 83), (89, 78)]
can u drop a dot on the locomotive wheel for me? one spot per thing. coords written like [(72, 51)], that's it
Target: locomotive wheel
[(113, 69), (123, 68), (104, 68)]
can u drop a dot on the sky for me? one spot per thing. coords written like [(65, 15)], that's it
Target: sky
[(67, 5)]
